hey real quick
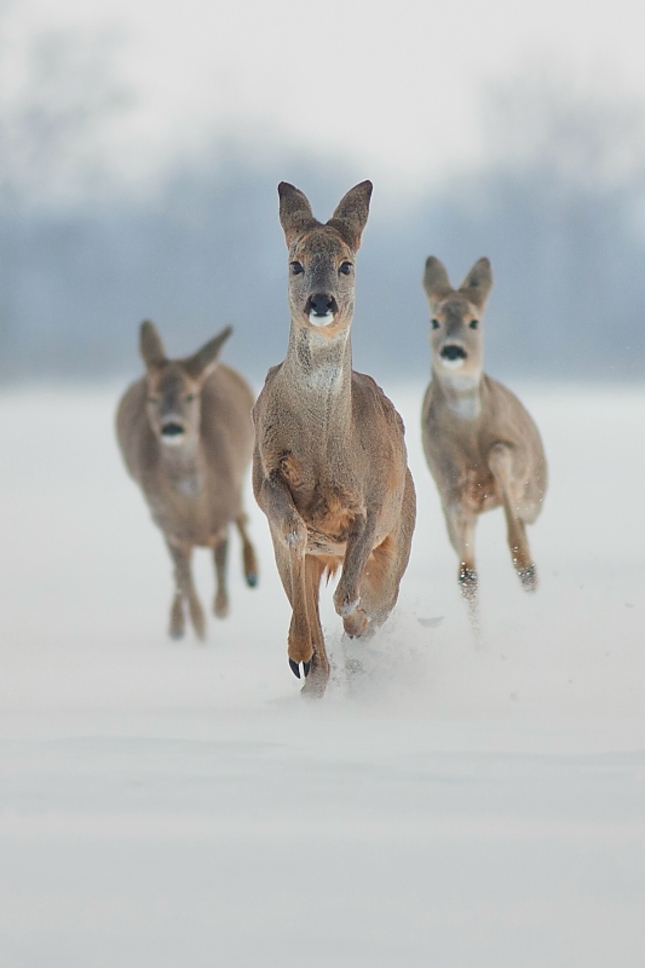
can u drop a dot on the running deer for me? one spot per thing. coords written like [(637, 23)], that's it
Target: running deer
[(186, 437), (482, 447), (330, 464)]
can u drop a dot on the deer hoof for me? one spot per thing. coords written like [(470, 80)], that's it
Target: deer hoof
[(295, 667), (528, 577), (221, 606), (356, 623), (251, 580), (468, 582), (345, 606)]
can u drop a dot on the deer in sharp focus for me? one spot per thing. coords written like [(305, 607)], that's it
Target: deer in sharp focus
[(330, 463), (186, 437), (482, 447)]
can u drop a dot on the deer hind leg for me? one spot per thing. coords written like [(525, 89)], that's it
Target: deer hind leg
[(220, 556), (379, 587), (185, 591), (461, 531), (249, 558), (316, 681), (500, 461)]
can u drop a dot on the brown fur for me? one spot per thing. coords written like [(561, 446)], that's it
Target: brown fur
[(330, 464), (482, 447), (194, 488)]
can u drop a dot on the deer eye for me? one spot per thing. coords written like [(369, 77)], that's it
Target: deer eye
[(474, 323), (435, 323), (189, 397), (296, 268), (345, 268)]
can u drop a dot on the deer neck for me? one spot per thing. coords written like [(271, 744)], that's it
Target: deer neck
[(461, 393), (182, 465), (318, 374)]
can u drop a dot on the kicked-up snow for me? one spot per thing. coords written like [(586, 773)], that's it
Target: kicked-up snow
[(449, 803)]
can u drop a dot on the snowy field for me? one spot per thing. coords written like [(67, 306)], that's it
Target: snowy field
[(447, 805)]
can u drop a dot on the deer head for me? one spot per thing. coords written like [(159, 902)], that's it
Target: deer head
[(174, 386), (322, 258), (456, 334)]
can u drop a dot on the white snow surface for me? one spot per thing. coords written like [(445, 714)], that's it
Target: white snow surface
[(447, 803)]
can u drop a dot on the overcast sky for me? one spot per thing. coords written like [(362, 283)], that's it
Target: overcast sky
[(395, 88)]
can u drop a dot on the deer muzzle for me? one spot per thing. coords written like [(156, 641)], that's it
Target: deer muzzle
[(453, 355), (321, 309), (172, 432)]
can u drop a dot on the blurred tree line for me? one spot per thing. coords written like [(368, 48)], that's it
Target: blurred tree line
[(559, 208)]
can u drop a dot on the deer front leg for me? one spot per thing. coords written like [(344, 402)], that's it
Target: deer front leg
[(220, 555), (249, 558), (500, 461), (347, 597), (185, 591), (289, 534)]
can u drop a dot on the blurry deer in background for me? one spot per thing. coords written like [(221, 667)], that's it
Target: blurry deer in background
[(330, 464), (482, 447), (186, 437)]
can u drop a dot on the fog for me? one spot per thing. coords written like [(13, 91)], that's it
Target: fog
[(554, 194)]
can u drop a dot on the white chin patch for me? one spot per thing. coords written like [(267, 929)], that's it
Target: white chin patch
[(325, 320), (172, 441), (453, 364)]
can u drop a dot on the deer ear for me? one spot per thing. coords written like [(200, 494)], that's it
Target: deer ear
[(477, 284), (295, 211), (150, 345), (435, 280), (201, 363), (350, 215)]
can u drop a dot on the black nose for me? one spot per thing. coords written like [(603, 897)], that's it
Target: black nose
[(321, 304), (172, 430), (453, 352)]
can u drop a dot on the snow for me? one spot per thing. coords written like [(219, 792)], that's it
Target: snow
[(447, 804)]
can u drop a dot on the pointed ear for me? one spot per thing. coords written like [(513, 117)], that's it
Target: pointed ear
[(351, 213), (295, 211), (150, 345), (201, 363), (477, 283), (435, 280)]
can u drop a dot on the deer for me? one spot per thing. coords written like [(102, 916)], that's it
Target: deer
[(330, 462), (482, 447), (185, 433)]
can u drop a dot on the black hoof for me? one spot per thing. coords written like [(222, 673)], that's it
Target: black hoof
[(176, 634), (251, 580), (306, 668), (295, 668)]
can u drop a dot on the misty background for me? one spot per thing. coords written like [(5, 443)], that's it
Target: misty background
[(554, 195)]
